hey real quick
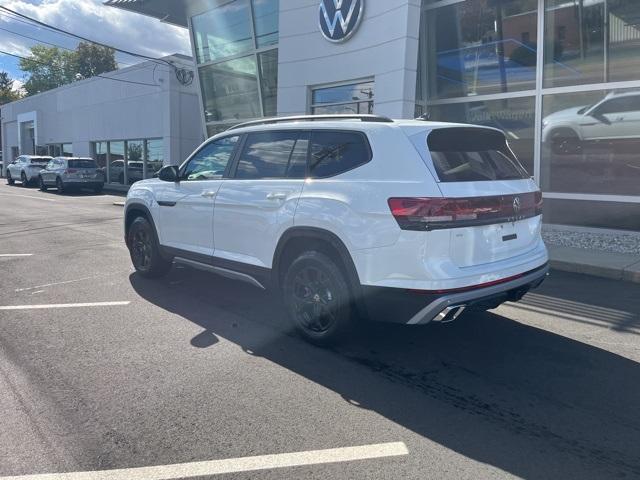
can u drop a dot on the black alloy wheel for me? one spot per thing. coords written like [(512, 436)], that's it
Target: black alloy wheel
[(145, 251), (317, 298)]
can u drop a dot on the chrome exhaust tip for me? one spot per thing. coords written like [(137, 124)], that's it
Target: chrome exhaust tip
[(449, 314)]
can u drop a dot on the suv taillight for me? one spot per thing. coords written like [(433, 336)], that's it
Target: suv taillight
[(422, 213)]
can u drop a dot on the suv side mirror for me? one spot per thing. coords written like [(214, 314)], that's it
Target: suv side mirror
[(169, 174)]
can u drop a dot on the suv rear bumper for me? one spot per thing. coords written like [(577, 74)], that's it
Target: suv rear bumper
[(398, 305)]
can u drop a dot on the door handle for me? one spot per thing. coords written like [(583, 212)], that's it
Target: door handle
[(208, 194), (277, 196)]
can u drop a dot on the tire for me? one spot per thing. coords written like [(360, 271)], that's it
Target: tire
[(59, 186), (121, 179), (317, 298), (10, 180), (41, 184), (565, 142), (144, 250), (23, 179)]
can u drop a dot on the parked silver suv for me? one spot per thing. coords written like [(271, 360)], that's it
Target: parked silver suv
[(69, 172)]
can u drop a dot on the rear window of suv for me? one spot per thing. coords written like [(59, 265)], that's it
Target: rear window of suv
[(82, 164), (335, 152), (462, 154)]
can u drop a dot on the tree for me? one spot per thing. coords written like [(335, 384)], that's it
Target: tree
[(52, 67), (7, 93), (90, 60)]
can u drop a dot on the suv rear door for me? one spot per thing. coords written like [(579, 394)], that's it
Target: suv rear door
[(498, 204), (257, 203)]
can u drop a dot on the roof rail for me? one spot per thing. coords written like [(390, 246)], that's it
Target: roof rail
[(312, 118)]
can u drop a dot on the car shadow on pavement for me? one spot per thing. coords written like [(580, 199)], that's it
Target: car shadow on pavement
[(524, 400)]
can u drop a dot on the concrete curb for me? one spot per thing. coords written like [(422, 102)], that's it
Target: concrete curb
[(617, 266)]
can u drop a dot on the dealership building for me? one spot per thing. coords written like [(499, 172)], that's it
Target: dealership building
[(132, 121), (560, 77)]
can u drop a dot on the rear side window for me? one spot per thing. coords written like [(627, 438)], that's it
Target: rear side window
[(333, 153), (268, 155), (39, 161), (82, 164), (473, 155)]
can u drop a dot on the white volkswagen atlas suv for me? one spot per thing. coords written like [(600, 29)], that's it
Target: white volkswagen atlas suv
[(349, 218)]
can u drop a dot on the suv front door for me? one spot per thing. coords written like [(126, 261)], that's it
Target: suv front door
[(258, 202), (186, 207)]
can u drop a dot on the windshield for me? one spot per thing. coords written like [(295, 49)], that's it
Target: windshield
[(473, 154)]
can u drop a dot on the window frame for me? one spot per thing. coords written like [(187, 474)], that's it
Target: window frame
[(232, 159)]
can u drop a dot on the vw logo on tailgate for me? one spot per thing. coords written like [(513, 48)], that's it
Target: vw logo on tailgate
[(339, 19), (517, 205)]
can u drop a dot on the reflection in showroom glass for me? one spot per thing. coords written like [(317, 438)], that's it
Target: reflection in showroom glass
[(591, 142)]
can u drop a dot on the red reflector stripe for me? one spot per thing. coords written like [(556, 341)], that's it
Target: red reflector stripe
[(477, 286)]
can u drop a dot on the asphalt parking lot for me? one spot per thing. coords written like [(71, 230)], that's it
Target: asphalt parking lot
[(113, 371)]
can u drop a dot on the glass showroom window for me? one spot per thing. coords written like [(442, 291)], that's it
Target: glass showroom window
[(591, 41), (230, 90), (477, 47), (100, 155), (235, 46), (591, 142), (155, 156), (355, 98), (66, 150), (135, 160), (116, 163), (223, 31)]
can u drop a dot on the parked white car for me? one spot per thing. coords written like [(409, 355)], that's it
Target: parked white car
[(26, 169), (615, 117), (349, 217)]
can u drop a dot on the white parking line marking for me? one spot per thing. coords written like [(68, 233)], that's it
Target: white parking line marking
[(28, 196), (16, 254), (232, 465), (63, 305), (63, 283)]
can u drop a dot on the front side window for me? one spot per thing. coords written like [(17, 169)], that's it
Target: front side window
[(267, 155), (211, 161), (333, 152)]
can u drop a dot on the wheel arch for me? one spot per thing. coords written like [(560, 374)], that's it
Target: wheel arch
[(296, 240), (133, 211)]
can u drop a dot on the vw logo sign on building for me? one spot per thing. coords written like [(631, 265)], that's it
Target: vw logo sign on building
[(339, 19)]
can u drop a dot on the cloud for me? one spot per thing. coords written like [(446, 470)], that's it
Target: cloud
[(17, 85), (91, 19)]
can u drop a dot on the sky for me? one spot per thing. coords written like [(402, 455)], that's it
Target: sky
[(91, 19)]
